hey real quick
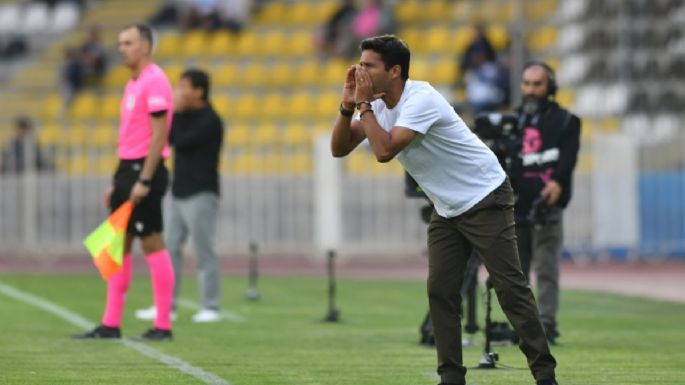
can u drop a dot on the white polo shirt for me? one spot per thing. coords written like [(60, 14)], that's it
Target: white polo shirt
[(450, 163)]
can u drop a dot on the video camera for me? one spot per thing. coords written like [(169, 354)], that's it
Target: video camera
[(500, 132)]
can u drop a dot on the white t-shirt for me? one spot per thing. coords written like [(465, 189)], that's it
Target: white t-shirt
[(452, 165)]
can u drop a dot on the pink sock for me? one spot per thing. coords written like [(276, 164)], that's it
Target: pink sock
[(117, 286), (162, 275)]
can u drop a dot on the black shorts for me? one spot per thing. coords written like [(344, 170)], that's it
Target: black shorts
[(147, 214)]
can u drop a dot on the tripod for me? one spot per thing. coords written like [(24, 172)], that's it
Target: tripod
[(489, 359)]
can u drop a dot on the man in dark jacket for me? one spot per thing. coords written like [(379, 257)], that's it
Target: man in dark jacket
[(542, 181), (196, 137)]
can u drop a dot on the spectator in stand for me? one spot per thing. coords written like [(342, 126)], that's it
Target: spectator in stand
[(484, 85), (93, 57), (204, 14), (235, 14), (334, 38), (73, 74), (479, 45), (23, 148), (374, 18)]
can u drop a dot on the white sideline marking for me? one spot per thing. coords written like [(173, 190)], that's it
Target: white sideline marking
[(227, 315), (78, 321)]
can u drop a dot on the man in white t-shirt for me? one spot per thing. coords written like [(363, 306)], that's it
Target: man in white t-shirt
[(471, 195)]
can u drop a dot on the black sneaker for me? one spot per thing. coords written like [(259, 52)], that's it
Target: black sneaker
[(100, 331), (546, 382), (156, 334)]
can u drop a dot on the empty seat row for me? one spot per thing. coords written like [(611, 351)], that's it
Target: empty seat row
[(30, 18), (201, 44)]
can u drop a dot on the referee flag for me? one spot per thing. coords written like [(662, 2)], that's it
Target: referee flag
[(106, 242)]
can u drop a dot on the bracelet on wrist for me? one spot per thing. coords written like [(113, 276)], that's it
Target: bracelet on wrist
[(361, 114), (345, 112), (145, 182), (360, 104)]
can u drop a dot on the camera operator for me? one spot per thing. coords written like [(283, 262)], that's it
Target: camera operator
[(542, 181)]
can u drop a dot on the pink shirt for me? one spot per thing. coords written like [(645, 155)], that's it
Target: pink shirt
[(148, 93)]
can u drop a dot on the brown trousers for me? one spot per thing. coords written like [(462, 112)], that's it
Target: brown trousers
[(488, 229)]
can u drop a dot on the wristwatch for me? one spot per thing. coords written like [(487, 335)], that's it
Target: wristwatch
[(345, 112), (145, 182)]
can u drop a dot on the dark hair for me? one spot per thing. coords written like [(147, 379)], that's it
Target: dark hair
[(551, 77), (24, 122), (198, 79), (393, 52), (144, 30)]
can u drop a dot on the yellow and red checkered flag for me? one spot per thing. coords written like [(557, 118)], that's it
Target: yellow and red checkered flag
[(106, 242)]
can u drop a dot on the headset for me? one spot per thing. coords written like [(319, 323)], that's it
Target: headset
[(551, 77)]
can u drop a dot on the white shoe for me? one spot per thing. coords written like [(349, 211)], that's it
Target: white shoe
[(207, 315), (150, 314)]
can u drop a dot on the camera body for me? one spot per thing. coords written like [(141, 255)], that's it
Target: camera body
[(501, 133)]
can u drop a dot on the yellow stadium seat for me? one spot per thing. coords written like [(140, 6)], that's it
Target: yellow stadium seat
[(272, 12), (498, 37), (334, 72), (413, 37), (105, 164), (221, 43), (254, 74), (49, 135), (222, 105), (237, 137), (439, 40), (443, 72), (247, 106), (271, 164), (324, 10), (53, 107), (565, 97), (273, 106), (358, 162), (301, 43), (110, 108), (226, 75), (328, 104), (281, 74), (540, 9), (78, 137), (300, 105), (301, 13), (85, 106), (504, 13), (173, 72), (104, 137), (117, 77), (248, 44), (461, 39), (273, 43), (298, 163), (296, 135), (542, 39), (435, 11), (307, 73), (195, 43), (407, 11), (79, 164), (169, 45), (265, 134), (419, 68)]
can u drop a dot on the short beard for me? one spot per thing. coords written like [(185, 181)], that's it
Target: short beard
[(532, 104)]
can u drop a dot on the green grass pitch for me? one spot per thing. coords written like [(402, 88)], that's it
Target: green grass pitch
[(606, 339)]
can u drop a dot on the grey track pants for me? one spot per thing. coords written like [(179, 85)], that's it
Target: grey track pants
[(195, 216)]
